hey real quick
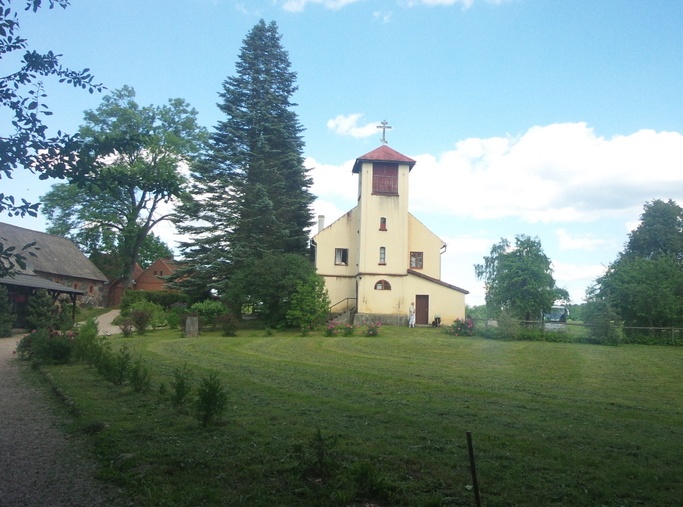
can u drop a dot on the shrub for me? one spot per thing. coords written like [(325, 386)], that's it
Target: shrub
[(121, 365), (6, 316), (40, 311), (348, 330), (62, 319), (317, 459), (460, 328), (181, 387), (309, 304), (372, 329), (604, 323), (52, 347), (86, 342), (140, 376), (228, 325), (209, 311), (162, 298), (126, 325), (212, 399), (143, 314), (175, 316), (333, 328), (508, 327)]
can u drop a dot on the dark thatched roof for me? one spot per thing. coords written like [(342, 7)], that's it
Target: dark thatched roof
[(55, 255)]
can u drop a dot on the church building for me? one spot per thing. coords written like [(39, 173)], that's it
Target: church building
[(378, 258)]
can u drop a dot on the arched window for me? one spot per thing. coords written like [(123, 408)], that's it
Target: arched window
[(382, 255), (383, 224), (382, 285)]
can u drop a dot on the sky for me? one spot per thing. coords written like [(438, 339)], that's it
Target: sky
[(553, 119)]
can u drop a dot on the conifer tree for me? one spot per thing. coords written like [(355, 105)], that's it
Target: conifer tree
[(251, 195)]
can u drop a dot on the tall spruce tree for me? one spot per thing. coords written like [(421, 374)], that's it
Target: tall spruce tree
[(251, 192)]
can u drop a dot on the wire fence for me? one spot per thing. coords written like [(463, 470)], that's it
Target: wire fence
[(580, 332)]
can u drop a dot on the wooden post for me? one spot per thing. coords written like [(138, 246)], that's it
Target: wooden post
[(473, 468), (192, 326)]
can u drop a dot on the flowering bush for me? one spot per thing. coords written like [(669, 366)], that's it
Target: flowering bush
[(372, 328), (348, 330), (333, 328), (461, 328)]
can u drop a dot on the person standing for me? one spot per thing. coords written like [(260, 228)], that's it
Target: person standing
[(411, 315)]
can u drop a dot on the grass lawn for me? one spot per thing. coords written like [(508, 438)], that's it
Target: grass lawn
[(346, 421)]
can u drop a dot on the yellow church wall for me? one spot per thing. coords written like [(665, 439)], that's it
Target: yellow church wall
[(443, 301), (395, 238), (421, 239), (385, 301), (340, 279), (341, 234)]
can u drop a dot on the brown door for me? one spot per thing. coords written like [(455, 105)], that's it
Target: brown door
[(421, 309)]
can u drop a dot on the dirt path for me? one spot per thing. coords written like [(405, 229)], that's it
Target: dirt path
[(39, 464), (104, 323)]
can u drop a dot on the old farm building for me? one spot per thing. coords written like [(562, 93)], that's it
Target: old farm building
[(58, 267), (378, 258)]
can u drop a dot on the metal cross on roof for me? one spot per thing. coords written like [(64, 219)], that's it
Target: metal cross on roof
[(384, 126)]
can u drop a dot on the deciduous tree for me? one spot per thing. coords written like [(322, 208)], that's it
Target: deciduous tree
[(645, 283), (519, 279), (138, 153)]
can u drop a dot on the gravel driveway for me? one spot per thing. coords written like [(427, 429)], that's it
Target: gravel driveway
[(39, 464)]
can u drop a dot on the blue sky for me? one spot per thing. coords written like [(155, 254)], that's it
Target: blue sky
[(552, 119)]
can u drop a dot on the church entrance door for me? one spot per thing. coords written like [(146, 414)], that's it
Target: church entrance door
[(422, 309)]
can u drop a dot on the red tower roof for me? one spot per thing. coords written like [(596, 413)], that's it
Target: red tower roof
[(383, 154)]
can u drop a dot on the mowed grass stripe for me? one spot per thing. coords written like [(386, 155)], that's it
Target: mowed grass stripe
[(554, 424)]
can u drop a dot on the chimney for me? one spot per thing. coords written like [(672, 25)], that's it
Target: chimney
[(321, 222)]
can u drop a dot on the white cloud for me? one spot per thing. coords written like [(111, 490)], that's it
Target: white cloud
[(347, 125), (466, 4), (554, 173), (589, 242), (382, 16), (300, 5), (576, 278), (562, 174)]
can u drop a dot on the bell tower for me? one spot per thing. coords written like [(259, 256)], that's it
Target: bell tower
[(383, 177)]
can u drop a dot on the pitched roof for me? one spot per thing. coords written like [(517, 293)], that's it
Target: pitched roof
[(38, 282), (56, 255), (437, 281), (383, 154)]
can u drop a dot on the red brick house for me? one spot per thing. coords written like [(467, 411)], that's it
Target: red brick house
[(150, 279)]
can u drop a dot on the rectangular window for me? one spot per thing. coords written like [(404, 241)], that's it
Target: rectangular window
[(341, 256), (416, 260), (382, 255), (385, 178)]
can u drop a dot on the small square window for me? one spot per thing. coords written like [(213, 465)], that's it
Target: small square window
[(416, 260), (341, 256)]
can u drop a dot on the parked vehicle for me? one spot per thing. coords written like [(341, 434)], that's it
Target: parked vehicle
[(556, 318)]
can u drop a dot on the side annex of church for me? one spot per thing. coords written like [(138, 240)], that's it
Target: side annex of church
[(378, 258)]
